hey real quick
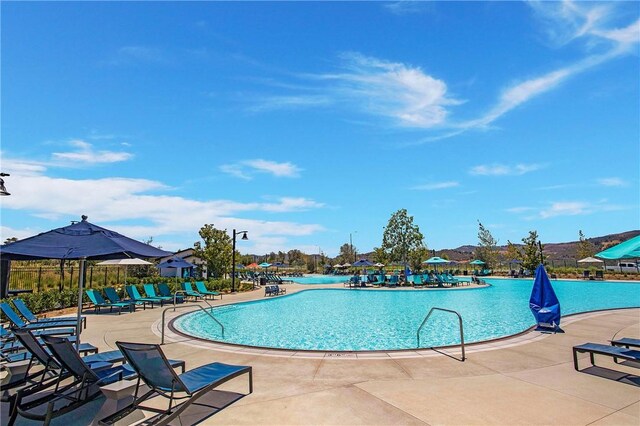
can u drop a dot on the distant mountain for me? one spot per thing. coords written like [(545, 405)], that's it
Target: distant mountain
[(553, 251)]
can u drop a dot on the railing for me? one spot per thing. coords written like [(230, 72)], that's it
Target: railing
[(188, 306), (444, 310)]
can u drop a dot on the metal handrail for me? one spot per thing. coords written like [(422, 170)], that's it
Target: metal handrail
[(175, 296), (444, 310), (188, 306)]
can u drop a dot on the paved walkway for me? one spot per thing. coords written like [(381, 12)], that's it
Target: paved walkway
[(527, 380)]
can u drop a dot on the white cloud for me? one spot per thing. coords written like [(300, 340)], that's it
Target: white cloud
[(247, 168), (436, 185), (503, 169), (85, 154), (611, 181), (406, 7), (290, 102), (519, 209), (565, 208)]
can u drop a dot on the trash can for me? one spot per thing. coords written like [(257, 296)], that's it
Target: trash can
[(263, 280)]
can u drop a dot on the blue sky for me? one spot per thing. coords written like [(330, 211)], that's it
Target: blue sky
[(304, 123)]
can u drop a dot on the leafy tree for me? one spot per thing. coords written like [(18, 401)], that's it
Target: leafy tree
[(10, 240), (296, 257), (531, 251), (487, 249), (513, 252), (402, 238), (347, 253), (216, 251), (585, 247), (417, 256), (380, 256)]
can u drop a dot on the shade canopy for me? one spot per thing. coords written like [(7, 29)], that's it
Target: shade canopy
[(363, 262), (175, 262), (346, 265), (629, 249), (544, 303), (476, 262), (124, 262), (379, 265), (252, 265), (264, 265), (435, 260), (590, 260), (80, 240)]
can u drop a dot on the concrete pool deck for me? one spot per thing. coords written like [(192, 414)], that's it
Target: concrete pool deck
[(528, 379)]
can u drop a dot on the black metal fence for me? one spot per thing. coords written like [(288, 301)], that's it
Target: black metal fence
[(41, 278)]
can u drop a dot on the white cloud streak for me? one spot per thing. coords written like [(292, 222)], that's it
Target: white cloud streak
[(86, 155), (248, 168), (503, 170), (435, 186), (612, 181)]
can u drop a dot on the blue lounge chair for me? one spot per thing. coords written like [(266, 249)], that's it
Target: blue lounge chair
[(24, 310), (626, 342), (154, 370), (135, 296), (416, 280), (112, 296), (614, 352), (202, 289), (164, 291), (16, 321), (150, 291), (189, 292), (380, 280), (98, 302), (393, 281)]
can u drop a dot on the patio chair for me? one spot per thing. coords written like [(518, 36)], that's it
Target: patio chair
[(416, 280), (614, 352), (135, 296), (17, 322), (393, 281), (380, 279), (154, 371), (65, 398), (599, 275), (98, 302), (150, 291), (189, 292), (164, 291), (26, 313), (202, 289), (586, 274), (626, 342), (112, 296), (270, 291)]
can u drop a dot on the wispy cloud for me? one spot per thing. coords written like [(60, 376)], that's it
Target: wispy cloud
[(406, 7), (85, 154), (247, 168), (133, 54), (565, 208), (435, 185), (519, 209), (289, 102), (503, 169), (612, 181)]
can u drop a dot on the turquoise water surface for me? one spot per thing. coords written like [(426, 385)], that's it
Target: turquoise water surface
[(343, 319)]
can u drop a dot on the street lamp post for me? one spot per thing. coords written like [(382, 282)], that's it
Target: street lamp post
[(233, 256), (351, 245)]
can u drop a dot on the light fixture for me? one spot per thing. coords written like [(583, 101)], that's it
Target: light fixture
[(3, 190), (233, 257)]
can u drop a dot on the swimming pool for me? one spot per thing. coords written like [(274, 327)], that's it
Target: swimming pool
[(321, 279), (355, 320)]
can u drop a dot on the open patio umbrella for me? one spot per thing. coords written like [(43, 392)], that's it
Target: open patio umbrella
[(176, 263), (544, 303), (125, 263), (590, 260), (82, 241), (264, 265), (253, 265), (435, 260), (629, 249)]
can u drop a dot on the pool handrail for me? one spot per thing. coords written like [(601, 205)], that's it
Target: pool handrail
[(164, 311), (444, 310)]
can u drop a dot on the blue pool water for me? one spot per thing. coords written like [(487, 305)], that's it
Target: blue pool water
[(321, 279), (343, 319)]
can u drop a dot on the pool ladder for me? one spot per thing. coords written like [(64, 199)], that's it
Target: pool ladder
[(208, 312), (424, 321)]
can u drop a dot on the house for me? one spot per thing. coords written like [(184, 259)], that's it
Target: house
[(188, 256)]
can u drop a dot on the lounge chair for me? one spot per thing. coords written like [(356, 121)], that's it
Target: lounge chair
[(17, 322), (586, 274), (202, 289), (112, 296), (65, 398), (154, 370), (615, 352), (98, 302), (393, 281), (416, 280), (164, 291), (599, 275), (150, 291), (626, 342), (135, 296), (189, 292), (270, 290), (31, 318), (380, 280)]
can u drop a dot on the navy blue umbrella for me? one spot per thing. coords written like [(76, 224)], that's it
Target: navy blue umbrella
[(362, 262), (83, 241), (175, 262), (544, 303)]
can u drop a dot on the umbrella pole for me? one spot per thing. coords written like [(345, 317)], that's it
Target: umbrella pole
[(83, 268)]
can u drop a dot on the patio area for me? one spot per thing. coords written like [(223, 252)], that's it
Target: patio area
[(527, 379)]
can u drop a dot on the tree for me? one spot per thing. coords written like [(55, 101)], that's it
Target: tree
[(402, 238), (585, 247), (10, 240), (216, 251), (417, 256), (487, 250), (513, 252), (347, 253), (380, 256), (531, 251)]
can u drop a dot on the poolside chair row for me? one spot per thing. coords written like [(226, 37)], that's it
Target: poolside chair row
[(63, 326), (66, 380), (274, 290)]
